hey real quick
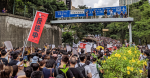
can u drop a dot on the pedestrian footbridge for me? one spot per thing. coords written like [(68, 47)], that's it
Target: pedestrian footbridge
[(96, 20)]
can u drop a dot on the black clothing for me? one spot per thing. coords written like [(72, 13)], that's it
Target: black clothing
[(125, 15), (76, 73), (5, 61), (12, 62), (94, 13), (69, 74)]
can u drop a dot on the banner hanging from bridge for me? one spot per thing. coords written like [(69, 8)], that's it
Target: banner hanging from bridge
[(37, 27), (82, 12)]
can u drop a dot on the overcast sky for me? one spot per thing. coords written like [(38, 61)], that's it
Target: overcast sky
[(96, 3)]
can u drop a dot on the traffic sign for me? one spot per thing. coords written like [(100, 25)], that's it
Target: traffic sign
[(82, 12)]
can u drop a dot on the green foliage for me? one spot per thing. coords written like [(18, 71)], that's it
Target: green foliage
[(67, 37), (64, 70), (49, 6), (124, 63)]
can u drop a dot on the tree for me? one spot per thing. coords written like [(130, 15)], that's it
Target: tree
[(67, 37)]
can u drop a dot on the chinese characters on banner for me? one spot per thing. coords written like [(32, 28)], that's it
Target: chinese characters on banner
[(82, 45), (37, 27)]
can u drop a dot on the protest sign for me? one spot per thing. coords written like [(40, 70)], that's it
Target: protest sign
[(68, 48), (53, 46), (148, 46), (88, 48), (8, 45), (82, 45), (75, 45), (94, 45), (74, 51), (37, 27)]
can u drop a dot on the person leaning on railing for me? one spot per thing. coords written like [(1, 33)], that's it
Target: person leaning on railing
[(4, 11)]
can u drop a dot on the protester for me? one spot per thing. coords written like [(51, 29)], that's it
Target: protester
[(28, 72), (15, 59), (105, 13), (116, 15), (48, 70), (36, 72), (125, 15), (5, 61), (87, 71), (64, 61), (121, 14), (4, 11), (74, 70), (94, 14), (94, 68), (87, 14), (15, 71), (111, 13)]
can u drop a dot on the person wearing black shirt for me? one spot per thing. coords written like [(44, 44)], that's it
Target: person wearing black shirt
[(74, 70), (64, 61), (3, 53), (94, 14), (121, 14), (15, 59), (105, 13), (125, 15)]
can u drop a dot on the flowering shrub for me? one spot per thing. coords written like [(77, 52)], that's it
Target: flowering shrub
[(124, 63)]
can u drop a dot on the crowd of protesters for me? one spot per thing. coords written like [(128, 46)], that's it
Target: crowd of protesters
[(58, 62)]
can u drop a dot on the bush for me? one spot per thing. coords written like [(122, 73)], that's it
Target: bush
[(124, 63)]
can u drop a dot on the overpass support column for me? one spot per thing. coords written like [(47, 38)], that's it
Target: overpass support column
[(130, 33)]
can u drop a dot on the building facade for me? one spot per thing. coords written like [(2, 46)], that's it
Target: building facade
[(127, 2)]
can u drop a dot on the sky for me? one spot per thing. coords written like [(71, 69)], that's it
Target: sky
[(96, 3)]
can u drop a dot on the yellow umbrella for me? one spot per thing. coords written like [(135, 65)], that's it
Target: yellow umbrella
[(98, 47)]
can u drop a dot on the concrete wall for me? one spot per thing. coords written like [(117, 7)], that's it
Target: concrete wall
[(16, 29)]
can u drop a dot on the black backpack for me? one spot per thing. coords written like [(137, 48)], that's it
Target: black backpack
[(82, 69), (59, 75)]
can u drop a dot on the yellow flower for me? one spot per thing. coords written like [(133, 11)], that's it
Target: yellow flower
[(128, 68), (129, 51), (104, 61), (117, 55), (128, 72), (133, 60), (138, 62), (131, 68), (109, 57), (135, 52), (140, 71), (125, 58), (145, 63)]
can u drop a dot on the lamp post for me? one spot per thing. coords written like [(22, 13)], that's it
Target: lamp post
[(14, 7)]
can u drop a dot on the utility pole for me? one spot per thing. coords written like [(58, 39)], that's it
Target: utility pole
[(14, 7)]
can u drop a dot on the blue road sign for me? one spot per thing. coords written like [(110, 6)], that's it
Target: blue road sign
[(82, 12)]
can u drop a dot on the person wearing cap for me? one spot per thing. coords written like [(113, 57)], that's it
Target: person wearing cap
[(35, 59)]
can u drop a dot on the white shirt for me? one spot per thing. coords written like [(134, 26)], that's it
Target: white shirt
[(87, 68), (94, 70)]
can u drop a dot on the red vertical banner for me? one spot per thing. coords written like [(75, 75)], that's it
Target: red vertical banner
[(37, 27)]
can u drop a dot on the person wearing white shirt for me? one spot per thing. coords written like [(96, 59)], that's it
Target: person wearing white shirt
[(111, 13), (87, 68), (93, 66)]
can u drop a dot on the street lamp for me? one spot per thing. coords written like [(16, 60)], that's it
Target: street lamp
[(14, 7)]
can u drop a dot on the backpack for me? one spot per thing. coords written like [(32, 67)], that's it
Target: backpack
[(82, 69), (59, 75), (100, 74)]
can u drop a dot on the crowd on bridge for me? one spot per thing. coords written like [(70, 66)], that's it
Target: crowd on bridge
[(33, 62)]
